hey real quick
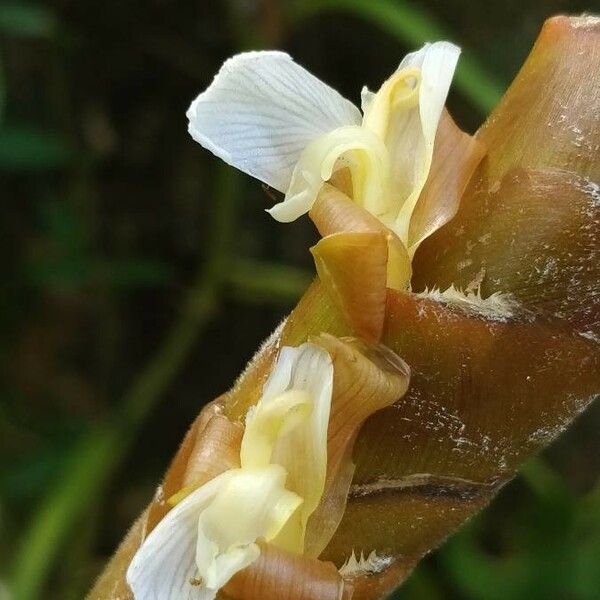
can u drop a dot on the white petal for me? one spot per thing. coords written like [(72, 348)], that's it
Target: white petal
[(437, 63), (366, 97), (261, 111), (413, 134), (165, 564), (407, 117), (303, 450)]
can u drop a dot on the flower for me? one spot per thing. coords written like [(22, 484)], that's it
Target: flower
[(212, 533), (285, 498), (269, 117)]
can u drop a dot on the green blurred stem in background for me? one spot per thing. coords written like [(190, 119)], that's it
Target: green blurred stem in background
[(412, 26), (99, 453), (253, 280), (2, 90)]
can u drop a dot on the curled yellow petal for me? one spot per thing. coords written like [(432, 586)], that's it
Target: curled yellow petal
[(268, 421), (288, 428), (405, 113), (398, 92), (355, 148)]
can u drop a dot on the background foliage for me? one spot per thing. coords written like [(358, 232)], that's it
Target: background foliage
[(140, 274)]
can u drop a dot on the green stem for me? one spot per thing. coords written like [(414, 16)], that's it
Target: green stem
[(95, 459), (542, 480), (412, 26), (262, 282)]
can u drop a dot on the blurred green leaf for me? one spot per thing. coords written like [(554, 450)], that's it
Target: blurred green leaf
[(27, 476), (413, 26), (78, 270), (62, 225), (24, 148), (132, 272), (91, 464), (587, 532), (477, 574), (26, 20), (421, 585), (543, 481), (550, 550), (67, 501), (67, 271), (69, 260)]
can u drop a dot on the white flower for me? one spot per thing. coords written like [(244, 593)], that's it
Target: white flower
[(272, 119), (212, 533)]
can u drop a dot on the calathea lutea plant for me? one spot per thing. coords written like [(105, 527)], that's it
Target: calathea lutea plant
[(452, 331)]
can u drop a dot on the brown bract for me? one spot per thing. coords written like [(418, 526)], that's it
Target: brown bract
[(366, 379), (211, 447), (335, 213), (456, 156), (280, 575), (496, 372), (528, 223), (352, 267)]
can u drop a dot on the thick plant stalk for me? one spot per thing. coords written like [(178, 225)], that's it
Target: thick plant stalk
[(493, 381)]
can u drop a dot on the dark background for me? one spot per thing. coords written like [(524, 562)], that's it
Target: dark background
[(141, 274)]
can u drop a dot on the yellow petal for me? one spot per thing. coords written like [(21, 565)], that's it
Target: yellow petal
[(252, 504), (352, 147), (405, 113), (288, 427), (398, 92), (267, 421)]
